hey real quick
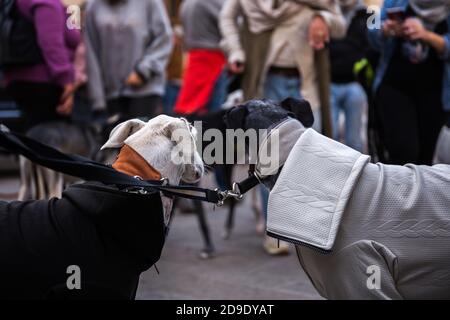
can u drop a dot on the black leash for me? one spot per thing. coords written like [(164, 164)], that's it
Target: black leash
[(90, 170), (249, 183)]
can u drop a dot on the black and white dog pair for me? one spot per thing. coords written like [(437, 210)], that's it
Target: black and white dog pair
[(111, 236), (362, 230)]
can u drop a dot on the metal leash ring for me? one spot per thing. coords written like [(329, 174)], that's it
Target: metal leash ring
[(224, 195)]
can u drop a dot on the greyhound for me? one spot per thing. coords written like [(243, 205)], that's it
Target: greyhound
[(155, 140), (109, 235), (362, 230), (37, 182)]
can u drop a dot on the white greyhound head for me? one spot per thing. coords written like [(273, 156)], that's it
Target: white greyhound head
[(168, 144)]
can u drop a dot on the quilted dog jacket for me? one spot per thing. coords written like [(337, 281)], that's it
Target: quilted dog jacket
[(367, 231), (112, 236)]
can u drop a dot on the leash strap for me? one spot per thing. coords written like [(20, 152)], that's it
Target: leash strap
[(89, 170), (249, 183)]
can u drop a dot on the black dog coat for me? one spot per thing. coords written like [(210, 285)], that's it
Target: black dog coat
[(112, 236)]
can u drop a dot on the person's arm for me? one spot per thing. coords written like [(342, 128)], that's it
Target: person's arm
[(157, 53), (414, 29), (327, 23), (335, 20), (50, 24), (446, 52), (230, 31), (439, 43), (92, 42)]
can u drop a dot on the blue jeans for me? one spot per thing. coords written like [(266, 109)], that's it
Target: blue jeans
[(219, 94), (352, 100), (217, 99), (170, 96), (278, 88)]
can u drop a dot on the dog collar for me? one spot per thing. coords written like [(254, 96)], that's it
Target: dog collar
[(279, 140), (133, 164)]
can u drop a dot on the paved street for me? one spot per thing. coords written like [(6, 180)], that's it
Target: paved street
[(240, 269)]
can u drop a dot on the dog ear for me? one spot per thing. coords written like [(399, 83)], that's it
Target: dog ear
[(121, 132), (175, 124), (235, 117), (301, 109)]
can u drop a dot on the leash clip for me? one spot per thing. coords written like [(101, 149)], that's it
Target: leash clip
[(137, 190), (233, 193), (164, 181)]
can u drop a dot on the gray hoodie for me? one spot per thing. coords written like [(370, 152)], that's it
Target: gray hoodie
[(200, 20), (133, 35)]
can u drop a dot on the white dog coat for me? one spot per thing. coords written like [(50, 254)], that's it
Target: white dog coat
[(386, 229)]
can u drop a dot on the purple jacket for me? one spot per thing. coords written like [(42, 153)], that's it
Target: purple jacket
[(57, 42)]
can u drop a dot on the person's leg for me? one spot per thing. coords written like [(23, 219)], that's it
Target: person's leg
[(274, 87), (82, 111), (145, 107), (37, 100), (170, 96), (278, 88), (292, 89), (335, 109), (116, 106), (317, 113), (442, 154), (398, 125), (217, 99), (431, 120), (355, 104), (219, 94), (264, 200)]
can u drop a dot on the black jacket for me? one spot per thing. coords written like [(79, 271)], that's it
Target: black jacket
[(344, 53), (111, 235)]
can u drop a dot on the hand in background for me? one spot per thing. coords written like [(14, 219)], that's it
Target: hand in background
[(66, 102), (414, 29), (134, 80), (236, 67), (319, 33), (392, 28)]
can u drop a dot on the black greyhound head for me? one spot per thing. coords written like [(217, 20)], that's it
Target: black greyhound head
[(264, 114)]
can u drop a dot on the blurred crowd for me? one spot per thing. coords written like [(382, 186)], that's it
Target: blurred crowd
[(384, 90), (142, 58)]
